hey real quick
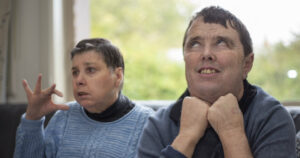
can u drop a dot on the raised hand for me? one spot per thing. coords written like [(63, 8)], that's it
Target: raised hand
[(40, 101)]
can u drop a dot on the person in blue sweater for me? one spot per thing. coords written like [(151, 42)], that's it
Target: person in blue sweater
[(101, 123), (220, 114)]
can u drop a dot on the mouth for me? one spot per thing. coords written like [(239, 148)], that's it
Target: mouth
[(80, 94), (208, 71)]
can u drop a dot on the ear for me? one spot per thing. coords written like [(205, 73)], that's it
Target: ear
[(248, 63), (119, 76)]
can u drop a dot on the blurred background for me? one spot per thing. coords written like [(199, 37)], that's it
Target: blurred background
[(36, 36)]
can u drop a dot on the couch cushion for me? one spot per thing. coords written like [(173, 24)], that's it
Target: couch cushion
[(10, 115), (9, 120), (295, 113)]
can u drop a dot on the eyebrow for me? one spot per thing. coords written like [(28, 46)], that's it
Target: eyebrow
[(86, 64), (196, 38)]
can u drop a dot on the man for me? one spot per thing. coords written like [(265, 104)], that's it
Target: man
[(220, 114)]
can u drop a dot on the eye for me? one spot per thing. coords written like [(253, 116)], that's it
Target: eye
[(222, 42), (75, 72), (90, 69), (193, 44)]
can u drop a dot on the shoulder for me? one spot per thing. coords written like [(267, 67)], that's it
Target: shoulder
[(264, 105), (161, 114), (266, 114), (269, 125), (161, 122), (142, 109), (160, 130)]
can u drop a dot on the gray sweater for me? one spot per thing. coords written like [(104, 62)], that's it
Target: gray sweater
[(269, 129)]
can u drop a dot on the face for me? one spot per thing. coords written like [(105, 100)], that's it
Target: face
[(95, 86), (214, 61)]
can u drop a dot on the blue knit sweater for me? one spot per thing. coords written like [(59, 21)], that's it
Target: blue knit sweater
[(73, 134)]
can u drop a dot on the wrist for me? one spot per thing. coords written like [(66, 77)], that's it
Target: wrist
[(185, 144), (229, 133), (30, 116), (235, 144)]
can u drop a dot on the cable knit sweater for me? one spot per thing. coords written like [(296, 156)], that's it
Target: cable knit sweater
[(73, 134)]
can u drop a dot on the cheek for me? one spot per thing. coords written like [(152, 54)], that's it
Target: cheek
[(73, 84), (103, 83), (189, 61), (230, 61)]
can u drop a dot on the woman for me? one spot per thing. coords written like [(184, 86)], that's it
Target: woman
[(100, 123)]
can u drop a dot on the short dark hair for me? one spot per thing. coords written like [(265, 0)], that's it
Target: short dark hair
[(218, 15), (111, 54)]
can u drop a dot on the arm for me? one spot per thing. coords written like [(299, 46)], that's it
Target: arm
[(30, 133), (158, 134), (227, 120), (33, 141), (29, 138), (193, 123)]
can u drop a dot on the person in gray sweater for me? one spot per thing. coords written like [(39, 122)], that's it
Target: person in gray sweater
[(101, 122), (220, 114)]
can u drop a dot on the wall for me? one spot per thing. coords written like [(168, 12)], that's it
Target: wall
[(30, 46), (5, 13), (37, 38)]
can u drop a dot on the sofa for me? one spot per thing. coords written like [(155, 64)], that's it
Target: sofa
[(10, 118), (10, 115)]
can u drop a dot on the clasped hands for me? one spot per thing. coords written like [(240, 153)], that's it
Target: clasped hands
[(224, 116)]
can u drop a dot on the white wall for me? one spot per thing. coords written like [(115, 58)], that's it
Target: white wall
[(30, 46), (5, 13), (42, 34)]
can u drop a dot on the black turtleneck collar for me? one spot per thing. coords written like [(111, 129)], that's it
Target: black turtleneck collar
[(249, 93), (117, 110)]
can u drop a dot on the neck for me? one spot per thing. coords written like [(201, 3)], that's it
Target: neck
[(212, 96)]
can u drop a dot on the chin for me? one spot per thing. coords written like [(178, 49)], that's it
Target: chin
[(85, 104), (208, 93), (210, 88)]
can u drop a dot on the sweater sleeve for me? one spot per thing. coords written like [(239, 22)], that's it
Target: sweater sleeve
[(156, 138), (33, 141), (149, 145), (170, 152), (30, 138)]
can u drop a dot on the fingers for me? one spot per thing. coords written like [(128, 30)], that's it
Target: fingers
[(38, 84), (50, 90), (26, 87), (57, 92)]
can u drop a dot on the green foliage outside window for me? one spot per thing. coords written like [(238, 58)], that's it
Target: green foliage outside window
[(271, 67), (145, 30)]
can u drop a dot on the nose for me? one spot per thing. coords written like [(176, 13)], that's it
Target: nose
[(208, 54), (80, 80)]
